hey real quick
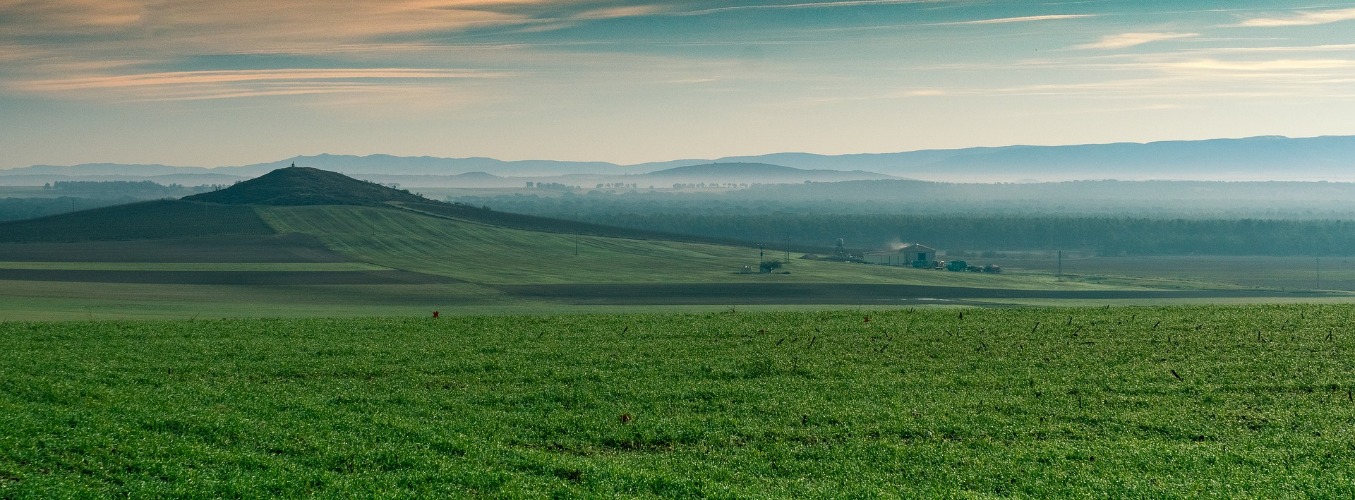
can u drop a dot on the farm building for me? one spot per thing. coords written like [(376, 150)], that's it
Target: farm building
[(904, 256)]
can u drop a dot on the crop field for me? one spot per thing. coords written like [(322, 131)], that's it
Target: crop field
[(1160, 402), (87, 300), (381, 260), (160, 219), (1326, 273), (492, 255), (272, 248)]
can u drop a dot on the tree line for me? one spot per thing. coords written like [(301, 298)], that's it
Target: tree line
[(1102, 235)]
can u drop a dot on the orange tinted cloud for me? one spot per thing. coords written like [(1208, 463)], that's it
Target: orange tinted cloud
[(248, 25), (199, 85), (212, 77), (1126, 40)]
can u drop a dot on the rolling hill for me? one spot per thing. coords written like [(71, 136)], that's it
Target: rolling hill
[(150, 220), (303, 239), (305, 186)]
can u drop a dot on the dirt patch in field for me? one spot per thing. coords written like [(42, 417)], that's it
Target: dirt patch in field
[(808, 293), (228, 277), (278, 248)]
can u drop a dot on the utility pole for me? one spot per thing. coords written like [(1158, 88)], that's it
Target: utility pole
[(760, 259), (787, 261), (1060, 264)]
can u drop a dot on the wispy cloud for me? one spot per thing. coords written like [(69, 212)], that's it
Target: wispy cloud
[(245, 25), (1021, 19), (1344, 47), (619, 12), (128, 50), (1302, 19), (802, 5), (1278, 65), (1126, 40), (923, 93), (201, 85), (210, 77)]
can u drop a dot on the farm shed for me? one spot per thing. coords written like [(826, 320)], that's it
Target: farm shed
[(904, 256)]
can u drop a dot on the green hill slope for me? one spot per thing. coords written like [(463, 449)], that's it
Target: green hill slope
[(482, 253), (305, 186), (463, 212), (479, 253), (300, 186), (162, 219), (410, 251)]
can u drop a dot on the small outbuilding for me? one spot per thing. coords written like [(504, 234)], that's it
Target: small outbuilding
[(910, 254)]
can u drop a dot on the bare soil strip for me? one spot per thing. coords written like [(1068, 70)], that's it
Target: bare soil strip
[(807, 293), (234, 248), (228, 277)]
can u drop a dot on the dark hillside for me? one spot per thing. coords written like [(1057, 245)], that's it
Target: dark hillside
[(138, 221), (275, 248), (309, 186), (305, 186), (510, 220), (229, 212)]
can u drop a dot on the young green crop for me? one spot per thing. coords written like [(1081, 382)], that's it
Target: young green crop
[(1154, 402)]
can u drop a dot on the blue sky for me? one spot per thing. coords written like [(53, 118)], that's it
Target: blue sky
[(228, 83)]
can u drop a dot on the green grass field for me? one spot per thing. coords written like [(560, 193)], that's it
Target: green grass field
[(164, 260), (493, 255), (247, 267), (1328, 273), (1248, 401)]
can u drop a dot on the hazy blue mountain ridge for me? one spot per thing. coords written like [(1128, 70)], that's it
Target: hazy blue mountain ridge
[(1254, 158)]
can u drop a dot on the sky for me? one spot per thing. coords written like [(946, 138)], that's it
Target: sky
[(203, 83)]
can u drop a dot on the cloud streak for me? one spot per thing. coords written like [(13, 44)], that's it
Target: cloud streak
[(1302, 19), (207, 85), (245, 25), (1126, 40), (1271, 66), (802, 5), (1019, 19), (214, 77)]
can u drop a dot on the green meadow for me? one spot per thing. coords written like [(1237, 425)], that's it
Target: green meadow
[(276, 339), (1223, 401), (481, 253), (344, 261), (301, 242)]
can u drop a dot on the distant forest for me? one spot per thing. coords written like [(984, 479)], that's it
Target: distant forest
[(1104, 217), (1157, 199), (1102, 235), (66, 196)]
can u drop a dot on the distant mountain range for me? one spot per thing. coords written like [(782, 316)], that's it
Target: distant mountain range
[(1255, 158)]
